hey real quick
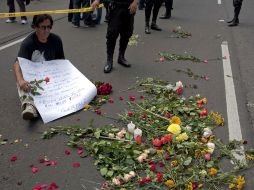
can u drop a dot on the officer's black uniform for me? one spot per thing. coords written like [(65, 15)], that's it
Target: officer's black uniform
[(237, 6), (169, 7), (120, 22)]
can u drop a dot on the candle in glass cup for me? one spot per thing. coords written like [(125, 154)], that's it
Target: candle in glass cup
[(137, 132), (131, 127)]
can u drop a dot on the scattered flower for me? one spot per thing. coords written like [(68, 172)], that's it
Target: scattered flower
[(175, 129), (67, 152), (130, 114), (121, 98), (46, 80), (170, 183), (213, 171), (13, 158), (132, 98), (104, 89), (175, 120), (98, 112), (182, 137), (110, 100)]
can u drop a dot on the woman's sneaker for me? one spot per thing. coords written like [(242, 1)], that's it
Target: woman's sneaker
[(29, 112), (10, 20)]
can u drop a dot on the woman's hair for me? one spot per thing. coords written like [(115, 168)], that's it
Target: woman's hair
[(37, 19)]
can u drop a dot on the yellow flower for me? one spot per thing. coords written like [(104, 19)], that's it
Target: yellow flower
[(87, 107), (175, 129), (200, 185), (122, 189), (189, 186), (240, 181), (231, 186), (213, 171), (204, 100), (249, 157), (182, 137), (170, 183), (217, 118), (175, 120), (173, 163)]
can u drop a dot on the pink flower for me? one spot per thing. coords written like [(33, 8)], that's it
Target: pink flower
[(35, 169), (121, 98), (76, 165), (167, 115), (46, 80), (207, 157), (41, 160), (98, 112), (48, 163), (53, 163), (132, 98), (205, 61), (67, 152), (110, 100), (161, 164), (54, 185), (141, 97), (13, 158), (80, 151), (162, 59), (194, 185)]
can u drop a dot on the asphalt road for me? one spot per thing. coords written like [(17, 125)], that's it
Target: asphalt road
[(85, 48)]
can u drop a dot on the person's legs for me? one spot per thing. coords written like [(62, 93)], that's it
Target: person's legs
[(11, 6), (156, 8), (126, 32), (237, 8), (112, 35), (70, 15), (168, 6), (22, 8), (76, 16), (27, 105), (148, 11)]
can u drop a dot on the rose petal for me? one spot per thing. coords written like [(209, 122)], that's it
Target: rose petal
[(76, 165), (35, 169)]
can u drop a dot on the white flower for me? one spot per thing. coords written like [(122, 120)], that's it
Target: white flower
[(111, 135), (116, 181), (211, 147), (127, 177), (203, 173), (147, 151), (188, 127), (169, 87), (140, 159), (132, 173), (207, 132)]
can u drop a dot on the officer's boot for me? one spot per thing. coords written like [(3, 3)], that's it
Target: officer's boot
[(123, 46), (110, 53), (235, 20)]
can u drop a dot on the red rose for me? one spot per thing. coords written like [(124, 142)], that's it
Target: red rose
[(159, 176), (157, 142)]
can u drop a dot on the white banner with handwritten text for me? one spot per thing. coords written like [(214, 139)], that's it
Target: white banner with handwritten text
[(67, 91)]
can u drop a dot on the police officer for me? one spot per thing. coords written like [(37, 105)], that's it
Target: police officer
[(121, 21), (237, 6), (169, 7)]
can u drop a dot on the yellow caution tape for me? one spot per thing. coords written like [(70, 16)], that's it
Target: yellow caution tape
[(19, 14)]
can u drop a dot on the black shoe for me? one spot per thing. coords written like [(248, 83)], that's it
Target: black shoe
[(122, 61), (165, 17), (233, 20), (108, 67), (233, 24), (147, 30), (155, 27)]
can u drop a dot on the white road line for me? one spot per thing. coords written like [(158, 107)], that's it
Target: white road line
[(11, 44), (234, 126), (219, 2)]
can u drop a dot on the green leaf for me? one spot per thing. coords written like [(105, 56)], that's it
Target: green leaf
[(210, 164), (97, 134), (104, 171), (110, 173)]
